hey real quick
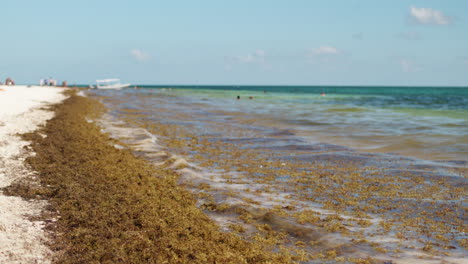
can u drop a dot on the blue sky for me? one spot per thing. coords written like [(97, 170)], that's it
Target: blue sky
[(297, 42)]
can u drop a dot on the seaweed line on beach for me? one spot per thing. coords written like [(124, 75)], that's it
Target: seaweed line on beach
[(111, 207)]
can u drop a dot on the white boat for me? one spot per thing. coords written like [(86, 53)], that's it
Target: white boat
[(110, 84)]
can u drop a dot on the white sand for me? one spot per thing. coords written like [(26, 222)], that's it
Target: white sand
[(21, 239)]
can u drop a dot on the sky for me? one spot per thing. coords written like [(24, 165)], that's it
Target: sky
[(241, 42)]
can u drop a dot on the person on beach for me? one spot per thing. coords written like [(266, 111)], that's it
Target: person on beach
[(51, 82), (9, 81)]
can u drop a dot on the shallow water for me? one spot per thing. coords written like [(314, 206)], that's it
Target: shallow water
[(316, 169), (426, 123)]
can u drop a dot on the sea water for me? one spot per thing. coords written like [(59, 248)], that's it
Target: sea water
[(426, 122), (385, 166)]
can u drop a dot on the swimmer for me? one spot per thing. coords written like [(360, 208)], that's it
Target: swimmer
[(238, 97)]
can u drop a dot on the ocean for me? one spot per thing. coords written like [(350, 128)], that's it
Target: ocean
[(346, 172)]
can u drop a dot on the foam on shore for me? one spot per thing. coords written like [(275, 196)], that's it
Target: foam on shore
[(22, 240)]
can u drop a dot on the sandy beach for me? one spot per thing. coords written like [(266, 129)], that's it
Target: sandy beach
[(165, 205), (22, 240)]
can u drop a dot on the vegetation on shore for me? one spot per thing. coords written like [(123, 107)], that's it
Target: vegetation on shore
[(378, 208), (111, 207)]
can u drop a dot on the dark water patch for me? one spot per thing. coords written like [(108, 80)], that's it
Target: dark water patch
[(305, 122), (257, 140), (331, 159), (454, 162), (347, 110), (456, 125), (442, 102), (281, 133), (212, 135), (182, 122), (319, 147)]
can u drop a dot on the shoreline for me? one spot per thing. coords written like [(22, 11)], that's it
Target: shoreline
[(84, 173), (22, 110), (115, 207), (243, 171), (368, 123)]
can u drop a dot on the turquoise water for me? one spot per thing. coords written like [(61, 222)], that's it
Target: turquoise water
[(357, 90), (425, 122)]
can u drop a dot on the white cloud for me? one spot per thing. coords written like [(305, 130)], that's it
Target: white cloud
[(409, 66), (260, 53), (409, 35), (429, 16), (325, 50), (249, 58), (328, 57), (139, 55), (256, 57)]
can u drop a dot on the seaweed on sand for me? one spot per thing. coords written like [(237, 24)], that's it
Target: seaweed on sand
[(112, 207)]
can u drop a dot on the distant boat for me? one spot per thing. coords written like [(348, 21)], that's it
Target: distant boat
[(110, 84)]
